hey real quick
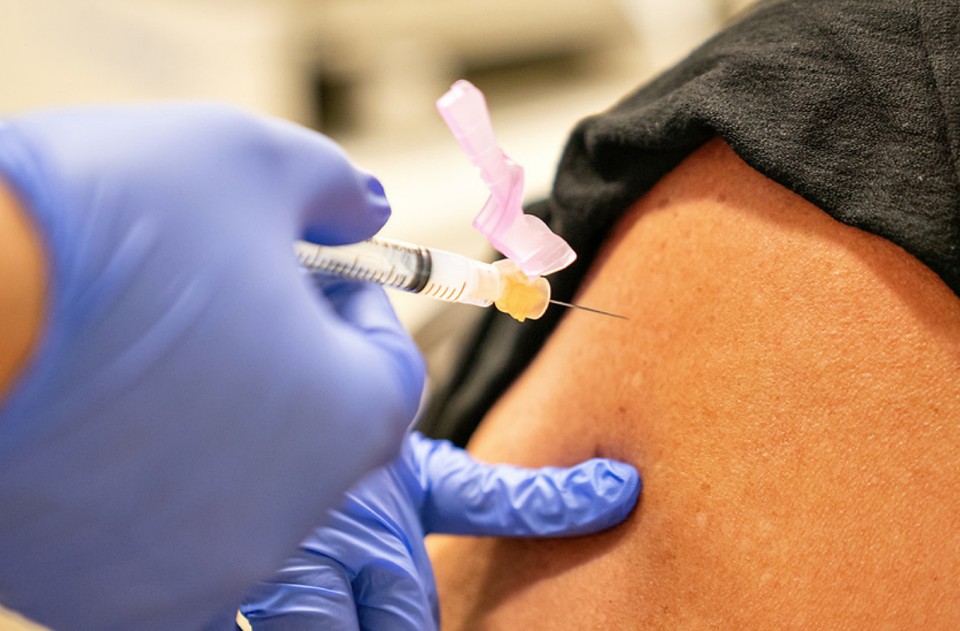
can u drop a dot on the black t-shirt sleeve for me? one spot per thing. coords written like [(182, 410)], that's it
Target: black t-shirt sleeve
[(852, 104)]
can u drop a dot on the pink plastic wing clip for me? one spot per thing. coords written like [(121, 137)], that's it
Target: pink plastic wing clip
[(524, 239)]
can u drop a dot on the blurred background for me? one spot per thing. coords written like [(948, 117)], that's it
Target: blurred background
[(367, 73)]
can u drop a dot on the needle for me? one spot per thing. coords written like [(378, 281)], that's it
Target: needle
[(606, 313)]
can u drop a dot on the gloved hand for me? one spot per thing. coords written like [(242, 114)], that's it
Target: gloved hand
[(368, 569), (195, 404)]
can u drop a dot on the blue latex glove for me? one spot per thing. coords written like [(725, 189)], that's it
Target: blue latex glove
[(368, 569), (196, 404)]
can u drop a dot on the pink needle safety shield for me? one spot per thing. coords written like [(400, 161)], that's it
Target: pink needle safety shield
[(524, 239)]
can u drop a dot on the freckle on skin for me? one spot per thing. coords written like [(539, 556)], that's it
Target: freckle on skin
[(765, 578), (702, 521)]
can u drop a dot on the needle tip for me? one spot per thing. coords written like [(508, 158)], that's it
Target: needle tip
[(590, 309)]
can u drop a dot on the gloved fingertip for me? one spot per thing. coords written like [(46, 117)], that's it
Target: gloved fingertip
[(378, 206), (619, 486), (622, 473), (351, 210), (595, 495), (364, 305), (375, 188)]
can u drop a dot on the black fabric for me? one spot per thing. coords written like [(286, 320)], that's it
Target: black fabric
[(852, 104)]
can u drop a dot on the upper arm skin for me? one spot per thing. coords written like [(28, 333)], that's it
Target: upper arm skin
[(788, 387)]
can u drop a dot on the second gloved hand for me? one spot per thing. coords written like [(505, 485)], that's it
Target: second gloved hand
[(368, 568)]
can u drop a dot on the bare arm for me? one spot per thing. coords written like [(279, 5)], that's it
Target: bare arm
[(789, 388), (22, 287)]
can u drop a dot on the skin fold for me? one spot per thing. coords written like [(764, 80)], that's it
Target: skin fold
[(788, 387)]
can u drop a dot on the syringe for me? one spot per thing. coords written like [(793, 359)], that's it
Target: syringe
[(432, 272), (437, 273)]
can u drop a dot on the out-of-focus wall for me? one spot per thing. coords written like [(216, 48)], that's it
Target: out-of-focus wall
[(56, 52), (402, 54)]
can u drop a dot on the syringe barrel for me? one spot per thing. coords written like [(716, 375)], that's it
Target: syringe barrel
[(437, 273), (456, 278)]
